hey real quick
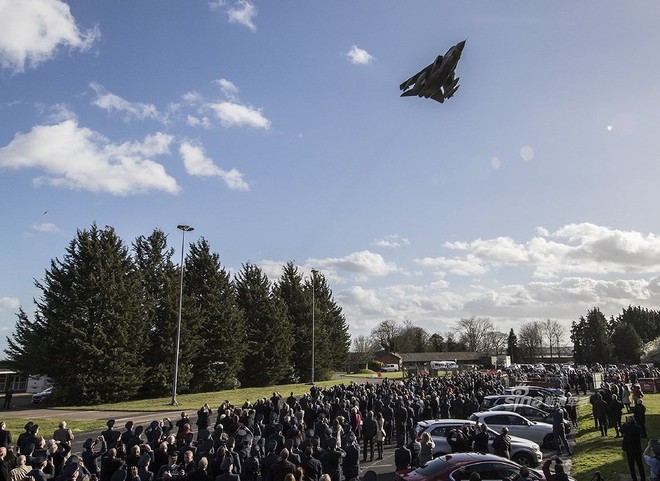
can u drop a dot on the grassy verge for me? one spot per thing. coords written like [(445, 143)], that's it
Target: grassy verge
[(189, 402), (48, 426), (596, 453)]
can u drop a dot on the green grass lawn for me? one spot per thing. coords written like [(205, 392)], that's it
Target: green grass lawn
[(47, 426), (596, 453)]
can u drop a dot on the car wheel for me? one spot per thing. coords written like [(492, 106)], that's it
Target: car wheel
[(524, 459), (549, 442)]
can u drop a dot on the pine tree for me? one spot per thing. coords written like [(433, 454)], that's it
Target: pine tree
[(332, 340), (297, 299), (219, 327), (268, 336), (91, 322)]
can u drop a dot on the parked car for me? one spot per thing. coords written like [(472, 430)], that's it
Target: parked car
[(444, 365), (532, 413), (42, 397), (459, 466), (545, 394), (493, 400), (390, 368), (540, 433), (523, 451)]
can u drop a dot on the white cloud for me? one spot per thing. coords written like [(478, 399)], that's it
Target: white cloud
[(572, 249), (365, 263), (228, 88), (233, 114), (243, 13), (196, 163), (45, 227), (391, 240), (78, 158), (31, 31), (468, 266), (359, 56), (111, 102), (9, 303), (194, 121)]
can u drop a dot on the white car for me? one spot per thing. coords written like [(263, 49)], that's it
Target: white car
[(522, 451), (540, 433)]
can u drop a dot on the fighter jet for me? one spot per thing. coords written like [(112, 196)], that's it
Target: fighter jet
[(438, 80)]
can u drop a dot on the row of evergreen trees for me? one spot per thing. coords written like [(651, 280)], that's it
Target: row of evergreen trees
[(617, 340), (104, 326)]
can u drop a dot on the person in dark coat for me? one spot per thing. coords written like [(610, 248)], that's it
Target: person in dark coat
[(282, 466), (109, 464), (614, 412), (143, 469), (481, 439), (600, 412), (351, 463), (369, 427), (5, 436), (312, 467), (332, 458), (227, 475), (632, 446), (502, 443), (559, 431), (203, 417), (402, 457), (111, 435), (639, 412), (89, 457)]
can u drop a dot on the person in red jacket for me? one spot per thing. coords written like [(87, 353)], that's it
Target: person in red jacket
[(559, 474)]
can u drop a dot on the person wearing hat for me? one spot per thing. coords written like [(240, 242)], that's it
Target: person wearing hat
[(143, 468), (110, 435), (652, 458), (38, 465), (171, 470), (332, 458), (26, 438)]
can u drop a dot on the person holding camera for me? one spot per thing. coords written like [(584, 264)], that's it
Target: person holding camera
[(652, 458)]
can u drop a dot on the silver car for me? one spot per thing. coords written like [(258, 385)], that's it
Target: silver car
[(522, 451)]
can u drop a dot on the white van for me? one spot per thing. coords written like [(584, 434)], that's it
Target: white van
[(444, 365), (390, 368)]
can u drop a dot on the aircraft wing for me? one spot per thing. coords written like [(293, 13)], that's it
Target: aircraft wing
[(426, 71)]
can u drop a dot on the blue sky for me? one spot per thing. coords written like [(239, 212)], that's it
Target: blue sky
[(276, 130)]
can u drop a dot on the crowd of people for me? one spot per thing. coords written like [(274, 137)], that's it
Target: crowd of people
[(323, 435)]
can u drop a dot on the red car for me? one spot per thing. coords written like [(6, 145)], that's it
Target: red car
[(459, 466)]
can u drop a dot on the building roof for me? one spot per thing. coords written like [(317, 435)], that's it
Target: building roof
[(464, 356)]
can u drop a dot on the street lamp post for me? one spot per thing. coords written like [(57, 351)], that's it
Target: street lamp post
[(314, 272), (183, 228)]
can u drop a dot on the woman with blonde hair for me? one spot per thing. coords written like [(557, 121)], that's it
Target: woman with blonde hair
[(426, 454)]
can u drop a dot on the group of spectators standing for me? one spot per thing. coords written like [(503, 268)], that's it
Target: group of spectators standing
[(320, 436)]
